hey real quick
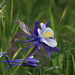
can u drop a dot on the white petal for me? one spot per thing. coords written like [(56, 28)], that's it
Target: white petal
[(49, 42), (31, 57), (42, 25), (48, 29), (43, 28), (1, 54), (39, 32)]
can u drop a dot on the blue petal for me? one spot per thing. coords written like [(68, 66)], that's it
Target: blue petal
[(29, 46), (32, 51), (30, 65), (28, 40), (47, 24), (32, 60), (18, 60), (47, 49), (2, 4), (38, 46), (51, 38), (49, 52), (8, 62), (55, 49), (25, 35), (36, 27), (5, 68)]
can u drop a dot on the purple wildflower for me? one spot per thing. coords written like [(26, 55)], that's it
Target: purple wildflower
[(43, 36), (30, 61)]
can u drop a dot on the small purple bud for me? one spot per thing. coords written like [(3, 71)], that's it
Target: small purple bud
[(23, 26)]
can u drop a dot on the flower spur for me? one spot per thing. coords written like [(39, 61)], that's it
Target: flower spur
[(43, 36)]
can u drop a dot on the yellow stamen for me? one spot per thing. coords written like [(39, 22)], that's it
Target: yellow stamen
[(48, 34)]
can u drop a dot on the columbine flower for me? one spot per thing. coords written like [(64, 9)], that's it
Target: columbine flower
[(43, 36), (30, 61)]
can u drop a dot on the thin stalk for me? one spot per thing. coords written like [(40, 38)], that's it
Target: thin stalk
[(0, 29), (14, 35), (11, 16), (3, 37), (40, 72), (52, 20), (67, 64), (3, 42)]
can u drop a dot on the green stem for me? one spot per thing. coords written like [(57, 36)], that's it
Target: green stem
[(14, 35), (11, 11), (40, 72), (3, 42), (0, 29), (52, 20), (30, 50), (67, 64)]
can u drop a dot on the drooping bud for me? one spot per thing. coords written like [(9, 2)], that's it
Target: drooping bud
[(23, 26)]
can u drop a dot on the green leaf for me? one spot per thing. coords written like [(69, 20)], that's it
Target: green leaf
[(69, 67), (16, 53), (70, 28)]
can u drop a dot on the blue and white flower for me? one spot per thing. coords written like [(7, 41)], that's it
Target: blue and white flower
[(43, 36)]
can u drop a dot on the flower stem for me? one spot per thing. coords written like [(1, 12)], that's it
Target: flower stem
[(3, 25), (14, 35), (11, 11), (52, 20)]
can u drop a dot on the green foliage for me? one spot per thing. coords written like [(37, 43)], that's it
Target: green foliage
[(62, 16)]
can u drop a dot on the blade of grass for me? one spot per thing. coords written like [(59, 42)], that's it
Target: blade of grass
[(14, 35), (69, 67), (11, 17), (16, 53), (63, 14), (51, 17)]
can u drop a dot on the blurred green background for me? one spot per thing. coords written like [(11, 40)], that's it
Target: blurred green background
[(61, 13)]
